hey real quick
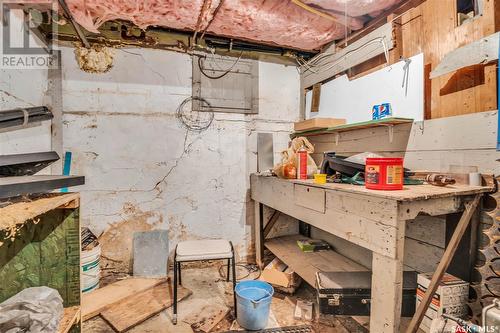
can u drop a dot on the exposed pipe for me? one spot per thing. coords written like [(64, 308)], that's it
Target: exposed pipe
[(24, 116), (75, 25)]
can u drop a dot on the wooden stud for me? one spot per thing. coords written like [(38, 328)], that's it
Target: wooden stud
[(397, 51), (316, 95)]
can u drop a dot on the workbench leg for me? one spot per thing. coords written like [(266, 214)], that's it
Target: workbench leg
[(387, 277), (259, 238)]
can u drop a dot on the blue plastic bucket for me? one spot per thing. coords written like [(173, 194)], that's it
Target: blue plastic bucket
[(253, 299)]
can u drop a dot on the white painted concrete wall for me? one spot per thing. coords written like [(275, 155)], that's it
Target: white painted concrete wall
[(24, 88), (353, 100), (145, 171)]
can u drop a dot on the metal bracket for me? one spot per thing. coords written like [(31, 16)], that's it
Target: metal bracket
[(390, 128)]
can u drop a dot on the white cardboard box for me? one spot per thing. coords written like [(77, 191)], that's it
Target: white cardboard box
[(451, 297), (451, 292)]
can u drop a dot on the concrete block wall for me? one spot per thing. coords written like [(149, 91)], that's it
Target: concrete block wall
[(145, 171)]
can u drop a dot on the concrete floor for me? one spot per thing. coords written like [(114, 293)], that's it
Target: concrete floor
[(210, 295)]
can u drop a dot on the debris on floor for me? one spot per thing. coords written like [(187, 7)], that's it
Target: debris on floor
[(207, 324), (208, 309)]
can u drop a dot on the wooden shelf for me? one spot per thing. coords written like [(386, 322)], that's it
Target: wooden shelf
[(307, 264), (70, 317), (13, 216), (355, 126)]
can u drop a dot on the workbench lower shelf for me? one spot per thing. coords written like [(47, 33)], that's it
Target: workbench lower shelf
[(307, 264)]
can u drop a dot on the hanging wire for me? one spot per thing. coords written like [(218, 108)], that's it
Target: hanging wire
[(226, 71), (195, 120), (313, 64), (250, 269), (345, 23)]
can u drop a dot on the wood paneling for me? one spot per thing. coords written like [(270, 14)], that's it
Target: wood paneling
[(432, 28)]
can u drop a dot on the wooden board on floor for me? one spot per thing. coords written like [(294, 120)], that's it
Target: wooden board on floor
[(95, 302), (207, 324), (307, 264), (136, 308), (70, 317)]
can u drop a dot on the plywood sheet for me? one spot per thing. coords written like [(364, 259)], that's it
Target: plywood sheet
[(16, 214), (140, 306), (97, 301)]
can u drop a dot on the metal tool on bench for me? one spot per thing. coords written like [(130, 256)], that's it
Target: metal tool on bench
[(439, 180)]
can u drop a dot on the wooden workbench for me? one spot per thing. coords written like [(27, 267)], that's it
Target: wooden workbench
[(371, 219)]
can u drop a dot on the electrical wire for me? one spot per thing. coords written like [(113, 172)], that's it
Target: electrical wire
[(314, 62), (195, 120), (227, 71), (251, 268)]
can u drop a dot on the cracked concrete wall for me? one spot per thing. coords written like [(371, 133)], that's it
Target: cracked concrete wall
[(145, 171), (24, 88)]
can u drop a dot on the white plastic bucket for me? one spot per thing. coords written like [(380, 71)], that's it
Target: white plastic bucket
[(91, 269)]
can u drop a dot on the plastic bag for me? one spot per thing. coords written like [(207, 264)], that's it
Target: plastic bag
[(34, 310), (288, 166)]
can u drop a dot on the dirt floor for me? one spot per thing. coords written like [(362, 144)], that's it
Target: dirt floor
[(212, 295)]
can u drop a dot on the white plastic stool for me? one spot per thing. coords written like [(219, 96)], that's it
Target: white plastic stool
[(209, 249)]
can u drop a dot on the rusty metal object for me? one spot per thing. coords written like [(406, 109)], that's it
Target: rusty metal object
[(439, 180)]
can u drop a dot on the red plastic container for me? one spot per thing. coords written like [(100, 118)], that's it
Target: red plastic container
[(384, 173), (302, 164)]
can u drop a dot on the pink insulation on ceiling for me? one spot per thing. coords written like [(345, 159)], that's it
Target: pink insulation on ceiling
[(277, 22), (353, 7)]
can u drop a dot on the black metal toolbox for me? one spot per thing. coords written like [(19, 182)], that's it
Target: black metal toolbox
[(349, 293)]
